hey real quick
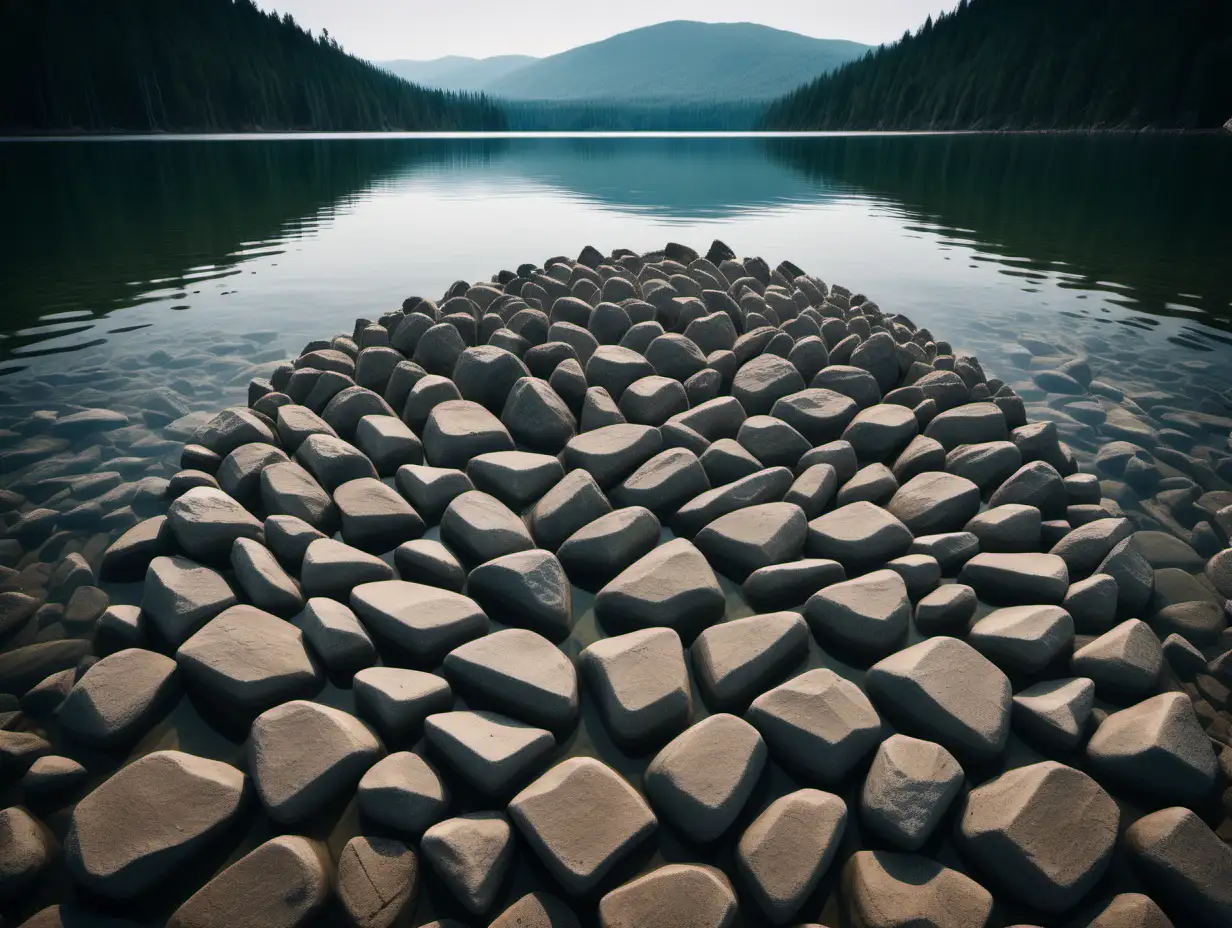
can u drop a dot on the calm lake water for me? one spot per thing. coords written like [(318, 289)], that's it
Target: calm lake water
[(177, 267)]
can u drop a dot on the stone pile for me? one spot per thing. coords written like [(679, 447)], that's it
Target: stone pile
[(615, 557)]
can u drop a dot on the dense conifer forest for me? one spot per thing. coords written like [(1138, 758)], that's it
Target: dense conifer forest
[(1034, 64), (200, 65), (631, 116)]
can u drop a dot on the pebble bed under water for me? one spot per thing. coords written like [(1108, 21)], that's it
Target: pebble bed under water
[(628, 590)]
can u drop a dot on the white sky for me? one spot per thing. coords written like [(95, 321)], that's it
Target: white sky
[(385, 29)]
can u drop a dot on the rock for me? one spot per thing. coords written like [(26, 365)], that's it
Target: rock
[(573, 503), (988, 465), (640, 683), (850, 381), (521, 672), (612, 453), (487, 374), (537, 417), (303, 756), (388, 443), (718, 418), (26, 847), (179, 597), (869, 614), (479, 527), (615, 369), (951, 550), (908, 790), (1085, 548), (771, 441), (1185, 660), (378, 879), (969, 424), (672, 586), (599, 410), (920, 572), (431, 489), (112, 852), (765, 486), (516, 478), (1219, 572), (653, 400), (130, 555), (396, 702), (492, 752), (943, 689), (1133, 575), (1163, 550), (762, 381), (817, 414), (933, 502), (535, 910), (401, 791), (680, 356), (1017, 578), (874, 483), (333, 569), (282, 883), (423, 622), (289, 490), (858, 535), (21, 668), (920, 456), (527, 589), (425, 395), (947, 610), (1055, 712), (664, 483), (246, 661), (458, 430), (1156, 747), (701, 780), (754, 537), (438, 348), (205, 522), (885, 890), (1008, 529), (788, 585), (232, 428), (471, 854), (1124, 661), (331, 462), (1185, 863), (1131, 910), (814, 490), (265, 584), (296, 423), (581, 818), (881, 431), (239, 475), (1036, 484), (735, 661), (673, 896), (52, 775), (1025, 638), (1045, 832), (117, 699), (337, 637)]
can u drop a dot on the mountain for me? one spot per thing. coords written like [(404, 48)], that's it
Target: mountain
[(1028, 64), (673, 62), (200, 65), (455, 72)]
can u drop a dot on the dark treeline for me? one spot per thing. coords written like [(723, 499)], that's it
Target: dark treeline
[(199, 65), (1024, 64), (632, 116)]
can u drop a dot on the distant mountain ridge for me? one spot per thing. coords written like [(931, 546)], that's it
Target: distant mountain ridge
[(673, 62)]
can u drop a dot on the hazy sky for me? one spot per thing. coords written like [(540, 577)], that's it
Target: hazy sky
[(384, 29)]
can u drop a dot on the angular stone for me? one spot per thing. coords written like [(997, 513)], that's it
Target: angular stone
[(130, 555), (1012, 528), (715, 419), (1156, 747), (947, 610), (1131, 910), (349, 406), (615, 369), (1134, 577), (951, 550), (858, 536), (672, 586), (881, 431), (987, 465), (337, 637), (304, 755), (673, 896), (908, 790), (874, 483), (205, 522), (332, 569), (701, 780), (534, 910), (521, 672), (239, 475), (388, 443), (1026, 638), (573, 503), (458, 430), (479, 527), (869, 614), (653, 400), (933, 503), (599, 410), (735, 661), (117, 699), (403, 792), (486, 374), (1017, 578), (765, 486), (727, 461), (1045, 832), (597, 552), (117, 854), (537, 417), (492, 752), (680, 356), (232, 428), (921, 455), (664, 483), (920, 572), (640, 683), (396, 701), (180, 596), (431, 489), (1125, 661), (378, 879), (332, 462), (52, 775), (743, 541), (612, 453), (265, 584), (944, 690), (26, 848), (772, 441), (814, 490), (885, 890), (969, 424), (528, 589), (516, 478), (1036, 484), (581, 818), (471, 854), (850, 381), (1085, 547), (1185, 863), (282, 883), (424, 622), (1055, 712), (785, 586), (289, 490), (296, 423), (762, 381)]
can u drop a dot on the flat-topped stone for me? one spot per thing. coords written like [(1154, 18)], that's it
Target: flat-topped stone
[(641, 684), (1125, 660), (673, 896), (1017, 578), (933, 502), (736, 661), (764, 486), (404, 792), (396, 701), (1025, 638), (869, 614), (492, 752), (205, 521), (478, 527), (471, 855), (1187, 866), (424, 622), (516, 478), (458, 430), (375, 518), (117, 699), (881, 889), (908, 790), (672, 586), (858, 535), (612, 453), (332, 568), (180, 596), (527, 589), (743, 541), (521, 673)]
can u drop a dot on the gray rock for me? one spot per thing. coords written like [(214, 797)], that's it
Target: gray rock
[(296, 423), (52, 775), (853, 382), (1134, 577), (265, 584), (1025, 638), (1045, 832), (283, 883), (23, 667), (289, 490), (388, 443), (1131, 910), (762, 381), (920, 572), (516, 478), (1086, 547), (1055, 712), (869, 614), (653, 400), (239, 475), (678, 356), (943, 689), (727, 461), (599, 410), (26, 848), (920, 456), (479, 527), (333, 569), (664, 483), (874, 483), (719, 418), (378, 879), (403, 792), (788, 585), (701, 780), (1007, 529), (1157, 747), (1124, 661), (814, 490), (396, 701), (246, 661), (332, 462), (527, 589), (672, 586), (581, 818), (754, 537), (205, 522), (1036, 484), (303, 756), (640, 683), (772, 441), (988, 465), (431, 489), (947, 610), (486, 374), (819, 415), (1185, 863), (117, 854), (885, 890), (612, 453), (471, 854), (574, 502), (933, 503), (534, 910), (951, 550), (337, 637), (428, 392), (615, 368), (179, 597), (673, 896), (735, 661), (969, 424), (458, 430), (908, 790), (1017, 578), (492, 752), (438, 348), (129, 555), (858, 535), (880, 432), (345, 410), (424, 622), (115, 702), (537, 418), (232, 428), (521, 672)]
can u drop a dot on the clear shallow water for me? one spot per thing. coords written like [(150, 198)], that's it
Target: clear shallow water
[(134, 265)]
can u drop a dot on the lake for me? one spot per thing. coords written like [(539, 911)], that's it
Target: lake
[(156, 277)]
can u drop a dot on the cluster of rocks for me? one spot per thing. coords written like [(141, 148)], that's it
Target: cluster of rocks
[(612, 556)]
